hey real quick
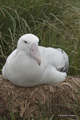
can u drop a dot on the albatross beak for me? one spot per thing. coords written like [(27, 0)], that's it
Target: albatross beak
[(35, 53)]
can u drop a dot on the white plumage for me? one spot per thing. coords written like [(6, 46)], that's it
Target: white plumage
[(31, 65)]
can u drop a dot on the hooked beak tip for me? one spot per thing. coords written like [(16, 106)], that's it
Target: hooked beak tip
[(39, 63)]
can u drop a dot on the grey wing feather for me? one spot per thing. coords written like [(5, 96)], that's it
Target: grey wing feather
[(56, 58), (66, 59)]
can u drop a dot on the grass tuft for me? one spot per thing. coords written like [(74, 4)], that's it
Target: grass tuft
[(56, 23)]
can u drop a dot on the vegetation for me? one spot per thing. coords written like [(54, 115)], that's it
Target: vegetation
[(55, 22)]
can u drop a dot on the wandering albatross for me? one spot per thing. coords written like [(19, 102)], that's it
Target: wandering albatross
[(31, 65)]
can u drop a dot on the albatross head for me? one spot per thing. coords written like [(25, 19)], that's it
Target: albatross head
[(28, 43)]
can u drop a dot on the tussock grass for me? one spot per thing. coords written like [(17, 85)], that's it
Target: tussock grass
[(56, 23)]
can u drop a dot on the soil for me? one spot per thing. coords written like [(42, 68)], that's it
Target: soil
[(31, 102)]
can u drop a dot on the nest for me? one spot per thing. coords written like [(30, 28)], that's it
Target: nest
[(29, 102)]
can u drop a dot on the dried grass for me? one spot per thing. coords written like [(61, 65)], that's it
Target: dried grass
[(30, 101)]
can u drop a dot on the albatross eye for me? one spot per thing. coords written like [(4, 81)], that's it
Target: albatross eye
[(25, 41)]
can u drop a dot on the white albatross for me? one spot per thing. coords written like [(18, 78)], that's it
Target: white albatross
[(31, 65)]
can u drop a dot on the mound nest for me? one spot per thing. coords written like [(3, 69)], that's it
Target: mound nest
[(30, 102)]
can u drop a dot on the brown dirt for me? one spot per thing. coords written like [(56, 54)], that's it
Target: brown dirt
[(30, 102)]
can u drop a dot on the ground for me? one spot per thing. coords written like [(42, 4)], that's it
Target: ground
[(56, 100)]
